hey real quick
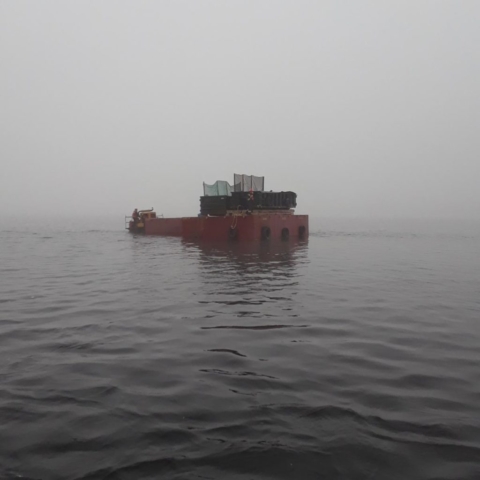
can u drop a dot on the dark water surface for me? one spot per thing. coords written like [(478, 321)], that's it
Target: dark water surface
[(353, 356)]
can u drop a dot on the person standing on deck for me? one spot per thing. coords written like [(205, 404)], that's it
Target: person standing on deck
[(135, 216)]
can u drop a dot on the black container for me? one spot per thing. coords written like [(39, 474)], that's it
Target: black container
[(214, 205), (263, 200)]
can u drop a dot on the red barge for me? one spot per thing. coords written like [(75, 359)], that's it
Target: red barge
[(244, 212)]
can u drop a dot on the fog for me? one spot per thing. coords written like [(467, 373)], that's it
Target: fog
[(365, 109)]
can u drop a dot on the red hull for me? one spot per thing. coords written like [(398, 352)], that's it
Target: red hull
[(245, 228)]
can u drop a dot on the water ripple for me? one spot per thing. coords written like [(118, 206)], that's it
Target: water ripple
[(354, 355)]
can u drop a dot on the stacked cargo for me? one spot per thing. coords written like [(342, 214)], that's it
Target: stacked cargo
[(247, 194), (247, 201)]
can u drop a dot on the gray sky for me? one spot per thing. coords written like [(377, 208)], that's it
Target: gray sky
[(363, 108)]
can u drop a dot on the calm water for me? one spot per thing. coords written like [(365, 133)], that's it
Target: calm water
[(353, 356)]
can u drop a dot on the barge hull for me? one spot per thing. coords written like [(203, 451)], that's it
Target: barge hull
[(244, 228)]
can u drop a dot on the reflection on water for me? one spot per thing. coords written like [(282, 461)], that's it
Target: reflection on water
[(246, 277)]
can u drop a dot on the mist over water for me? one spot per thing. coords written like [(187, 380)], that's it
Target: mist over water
[(352, 355), (362, 108)]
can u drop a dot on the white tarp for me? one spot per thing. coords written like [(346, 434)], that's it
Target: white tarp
[(219, 188), (245, 183)]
